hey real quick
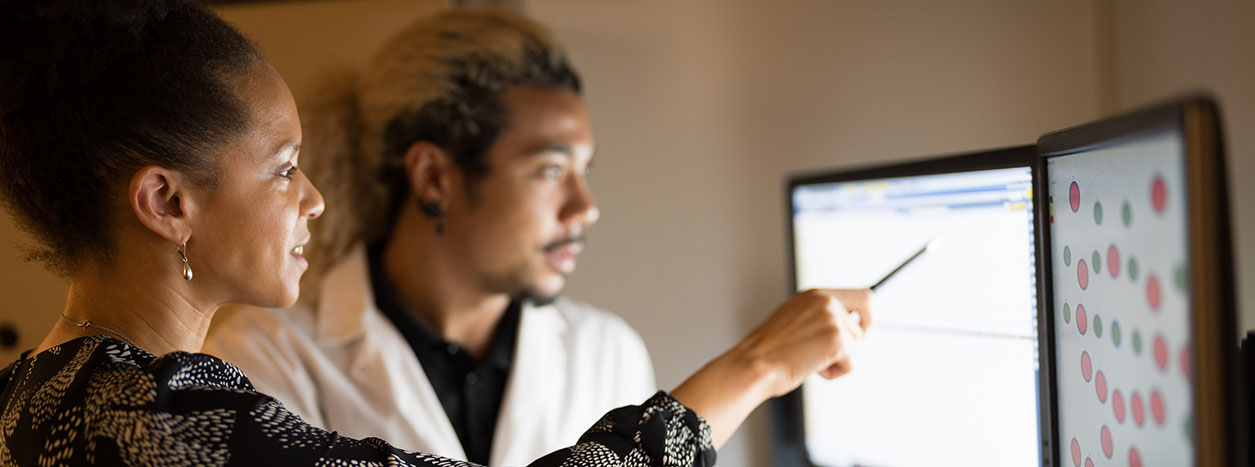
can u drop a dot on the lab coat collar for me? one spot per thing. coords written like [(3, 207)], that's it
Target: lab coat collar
[(347, 309), (346, 313), (536, 384), (345, 297)]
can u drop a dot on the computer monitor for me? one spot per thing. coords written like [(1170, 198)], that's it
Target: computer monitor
[(947, 375), (1140, 299)]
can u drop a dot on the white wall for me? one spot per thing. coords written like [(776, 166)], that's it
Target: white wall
[(1162, 48), (701, 108)]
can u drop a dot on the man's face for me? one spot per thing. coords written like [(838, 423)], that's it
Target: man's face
[(521, 226)]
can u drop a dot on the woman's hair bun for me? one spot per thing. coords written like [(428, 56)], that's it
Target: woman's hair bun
[(92, 90), (54, 46)]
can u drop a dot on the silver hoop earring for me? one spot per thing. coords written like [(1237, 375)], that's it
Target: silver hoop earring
[(187, 270)]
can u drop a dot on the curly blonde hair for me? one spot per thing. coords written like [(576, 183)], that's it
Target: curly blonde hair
[(439, 80)]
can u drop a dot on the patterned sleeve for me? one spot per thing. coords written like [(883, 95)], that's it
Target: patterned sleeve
[(99, 401), (661, 432)]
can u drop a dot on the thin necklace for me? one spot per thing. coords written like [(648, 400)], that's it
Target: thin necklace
[(88, 324)]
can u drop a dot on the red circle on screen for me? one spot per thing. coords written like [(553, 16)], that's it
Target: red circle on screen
[(1161, 353), (1082, 274), (1135, 458), (1082, 319), (1100, 384), (1074, 200), (1158, 194), (1076, 453), (1156, 407), (1153, 292), (1117, 405), (1185, 361), (1113, 261), (1139, 413), (1087, 366), (1107, 445)]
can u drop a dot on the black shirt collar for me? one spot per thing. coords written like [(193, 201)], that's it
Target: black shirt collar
[(500, 351), (470, 392)]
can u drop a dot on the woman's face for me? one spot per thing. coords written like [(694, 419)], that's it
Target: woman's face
[(245, 243)]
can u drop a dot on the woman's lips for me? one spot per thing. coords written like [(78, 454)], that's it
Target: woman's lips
[(299, 253)]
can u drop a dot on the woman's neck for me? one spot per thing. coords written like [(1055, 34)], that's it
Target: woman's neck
[(151, 314)]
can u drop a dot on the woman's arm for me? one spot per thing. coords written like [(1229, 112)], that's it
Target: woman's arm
[(813, 332), (195, 406)]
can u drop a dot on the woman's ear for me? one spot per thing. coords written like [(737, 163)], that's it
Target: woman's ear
[(430, 172), (160, 199)]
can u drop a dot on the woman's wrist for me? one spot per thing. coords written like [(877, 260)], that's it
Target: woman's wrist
[(757, 377), (727, 389)]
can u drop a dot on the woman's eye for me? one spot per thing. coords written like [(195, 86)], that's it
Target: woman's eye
[(289, 172)]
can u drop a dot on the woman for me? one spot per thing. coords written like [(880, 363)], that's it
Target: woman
[(153, 153)]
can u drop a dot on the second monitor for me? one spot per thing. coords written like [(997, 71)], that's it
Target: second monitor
[(948, 373)]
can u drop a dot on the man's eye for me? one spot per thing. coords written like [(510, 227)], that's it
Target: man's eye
[(553, 171), (289, 172)]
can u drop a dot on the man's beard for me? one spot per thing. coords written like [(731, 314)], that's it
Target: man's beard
[(519, 283), (519, 286), (538, 299)]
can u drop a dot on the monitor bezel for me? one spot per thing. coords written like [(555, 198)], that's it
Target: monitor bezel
[(1218, 425), (788, 437)]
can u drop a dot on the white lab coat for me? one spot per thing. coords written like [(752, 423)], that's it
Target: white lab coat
[(346, 368)]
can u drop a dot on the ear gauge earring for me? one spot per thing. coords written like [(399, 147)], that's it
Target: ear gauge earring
[(433, 211), (187, 270)]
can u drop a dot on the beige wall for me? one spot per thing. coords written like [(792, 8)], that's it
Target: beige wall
[(701, 108), (32, 299), (303, 39), (1164, 47)]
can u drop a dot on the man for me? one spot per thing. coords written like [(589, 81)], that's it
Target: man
[(454, 169)]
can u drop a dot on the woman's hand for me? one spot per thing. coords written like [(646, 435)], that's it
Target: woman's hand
[(815, 331)]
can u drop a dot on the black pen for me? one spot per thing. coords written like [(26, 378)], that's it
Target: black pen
[(903, 265)]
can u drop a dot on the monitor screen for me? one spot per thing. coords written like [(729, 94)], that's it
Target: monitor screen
[(1122, 347), (1140, 292), (947, 375)]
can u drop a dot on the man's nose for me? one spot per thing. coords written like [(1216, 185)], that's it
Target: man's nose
[(580, 206)]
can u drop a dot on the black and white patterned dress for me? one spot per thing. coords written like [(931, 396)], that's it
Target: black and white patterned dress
[(97, 400)]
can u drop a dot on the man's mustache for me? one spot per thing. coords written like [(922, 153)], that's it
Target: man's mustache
[(564, 242)]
